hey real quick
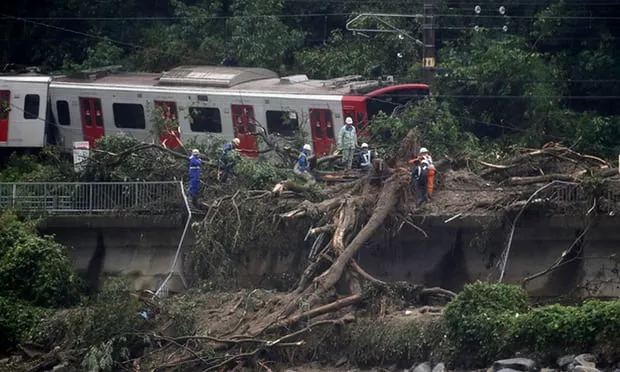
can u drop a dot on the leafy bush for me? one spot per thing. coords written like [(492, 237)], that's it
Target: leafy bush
[(48, 166), (17, 319), (556, 330), (481, 320), (259, 174), (108, 326), (33, 268), (112, 312), (489, 321), (440, 130)]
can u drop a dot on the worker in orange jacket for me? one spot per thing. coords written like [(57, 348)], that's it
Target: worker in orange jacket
[(424, 174)]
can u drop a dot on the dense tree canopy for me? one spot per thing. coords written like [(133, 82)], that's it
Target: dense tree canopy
[(541, 71)]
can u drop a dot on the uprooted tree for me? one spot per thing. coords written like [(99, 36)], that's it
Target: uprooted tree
[(344, 217)]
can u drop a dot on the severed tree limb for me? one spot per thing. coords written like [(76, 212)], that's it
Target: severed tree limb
[(345, 222), (519, 181), (410, 223), (504, 257), (496, 166), (321, 229), (333, 306), (438, 291), (355, 266), (561, 260)]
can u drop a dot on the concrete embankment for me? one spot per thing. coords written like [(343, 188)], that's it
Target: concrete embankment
[(451, 255)]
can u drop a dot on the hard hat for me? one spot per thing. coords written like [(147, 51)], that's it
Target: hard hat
[(237, 141), (307, 147), (195, 152), (348, 120), (364, 145), (423, 150)]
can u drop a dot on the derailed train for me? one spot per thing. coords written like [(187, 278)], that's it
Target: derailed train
[(227, 101)]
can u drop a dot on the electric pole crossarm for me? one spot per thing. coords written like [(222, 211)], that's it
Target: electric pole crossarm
[(392, 28)]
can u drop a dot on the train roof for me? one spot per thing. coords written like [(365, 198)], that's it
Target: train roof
[(237, 79), (26, 78)]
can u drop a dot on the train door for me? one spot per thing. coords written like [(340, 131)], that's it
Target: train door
[(5, 108), (322, 131), (171, 134), (92, 119), (245, 129)]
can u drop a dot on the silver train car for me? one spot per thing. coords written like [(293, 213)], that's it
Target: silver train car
[(198, 100)]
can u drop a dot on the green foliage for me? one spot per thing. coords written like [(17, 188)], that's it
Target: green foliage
[(481, 320), (105, 325), (489, 321), (495, 69), (440, 130), (344, 54), (17, 319), (264, 41), (555, 330), (103, 53), (258, 173), (48, 166), (33, 268)]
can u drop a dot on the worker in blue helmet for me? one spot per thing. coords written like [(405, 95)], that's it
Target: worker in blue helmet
[(302, 165)]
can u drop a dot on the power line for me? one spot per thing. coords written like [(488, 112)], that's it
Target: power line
[(299, 15), (73, 31)]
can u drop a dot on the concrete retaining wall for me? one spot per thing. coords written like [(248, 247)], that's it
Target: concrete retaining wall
[(452, 255), (141, 248)]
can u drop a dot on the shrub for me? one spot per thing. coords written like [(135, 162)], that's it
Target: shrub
[(17, 320), (481, 321), (33, 268)]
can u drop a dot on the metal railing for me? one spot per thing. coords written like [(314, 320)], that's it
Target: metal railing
[(92, 197), (575, 193)]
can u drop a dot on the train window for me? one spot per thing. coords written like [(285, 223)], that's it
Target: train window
[(329, 124), (31, 106), (284, 122), (5, 104), (129, 116), (205, 119), (64, 118)]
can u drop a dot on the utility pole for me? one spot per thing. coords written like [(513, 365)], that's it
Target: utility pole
[(428, 39)]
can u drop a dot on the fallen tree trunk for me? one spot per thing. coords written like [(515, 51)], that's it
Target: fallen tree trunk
[(386, 203), (520, 181)]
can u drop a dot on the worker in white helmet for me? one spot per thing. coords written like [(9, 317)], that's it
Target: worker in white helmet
[(424, 174), (347, 142), (302, 165), (195, 163), (365, 157), (228, 159)]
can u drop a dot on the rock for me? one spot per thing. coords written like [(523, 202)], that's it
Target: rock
[(508, 370), (5, 361), (342, 361), (423, 367), (586, 369), (518, 364), (586, 360), (564, 361), (440, 367)]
